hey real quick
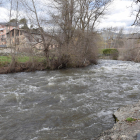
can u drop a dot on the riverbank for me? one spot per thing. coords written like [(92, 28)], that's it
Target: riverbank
[(23, 67), (127, 125), (29, 64), (21, 63), (33, 66)]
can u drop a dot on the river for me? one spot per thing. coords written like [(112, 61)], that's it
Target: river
[(66, 104)]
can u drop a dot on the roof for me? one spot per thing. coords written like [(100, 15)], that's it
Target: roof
[(15, 29), (14, 24), (31, 32), (3, 46)]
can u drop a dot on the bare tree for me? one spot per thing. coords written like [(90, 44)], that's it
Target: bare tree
[(113, 37), (136, 12), (118, 41), (31, 6), (76, 21), (77, 14)]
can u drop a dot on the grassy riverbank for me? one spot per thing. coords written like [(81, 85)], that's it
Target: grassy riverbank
[(6, 60), (20, 63)]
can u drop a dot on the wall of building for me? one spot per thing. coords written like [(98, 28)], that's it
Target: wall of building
[(6, 50), (3, 31)]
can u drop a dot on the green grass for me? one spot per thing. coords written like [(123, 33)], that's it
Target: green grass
[(23, 59), (130, 119), (5, 60)]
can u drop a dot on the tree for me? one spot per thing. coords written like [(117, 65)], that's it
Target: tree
[(113, 37), (83, 15), (76, 21), (136, 12), (31, 6), (24, 22), (13, 20)]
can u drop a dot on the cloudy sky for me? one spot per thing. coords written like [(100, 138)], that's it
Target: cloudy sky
[(119, 15)]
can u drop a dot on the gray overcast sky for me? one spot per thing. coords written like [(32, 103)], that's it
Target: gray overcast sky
[(119, 15)]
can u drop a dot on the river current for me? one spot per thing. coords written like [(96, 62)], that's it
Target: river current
[(66, 104)]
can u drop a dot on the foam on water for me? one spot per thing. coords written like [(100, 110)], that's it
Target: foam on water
[(35, 138), (51, 84), (62, 98), (44, 129)]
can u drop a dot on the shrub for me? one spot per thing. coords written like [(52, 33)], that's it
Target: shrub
[(111, 52), (59, 62), (132, 55), (80, 51)]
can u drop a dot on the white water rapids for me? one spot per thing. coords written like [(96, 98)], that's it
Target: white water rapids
[(66, 104)]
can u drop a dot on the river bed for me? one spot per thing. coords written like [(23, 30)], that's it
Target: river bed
[(66, 104)]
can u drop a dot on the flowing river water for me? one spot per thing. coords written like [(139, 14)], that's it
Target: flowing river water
[(67, 104)]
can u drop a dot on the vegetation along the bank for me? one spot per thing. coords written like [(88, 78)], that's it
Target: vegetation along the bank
[(19, 63)]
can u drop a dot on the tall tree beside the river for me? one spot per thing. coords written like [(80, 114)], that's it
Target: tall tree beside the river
[(32, 9), (74, 23)]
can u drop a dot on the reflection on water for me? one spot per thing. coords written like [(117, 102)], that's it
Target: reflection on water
[(66, 104)]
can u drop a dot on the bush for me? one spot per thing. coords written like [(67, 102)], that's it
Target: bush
[(111, 52), (131, 55), (59, 62), (80, 51)]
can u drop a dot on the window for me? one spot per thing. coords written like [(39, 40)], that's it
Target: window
[(12, 32)]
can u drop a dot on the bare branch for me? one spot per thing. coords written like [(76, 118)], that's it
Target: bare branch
[(137, 16)]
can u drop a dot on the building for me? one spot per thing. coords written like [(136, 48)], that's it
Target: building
[(26, 40), (4, 28), (22, 39)]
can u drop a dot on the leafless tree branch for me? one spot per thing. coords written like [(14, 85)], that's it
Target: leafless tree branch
[(137, 16)]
